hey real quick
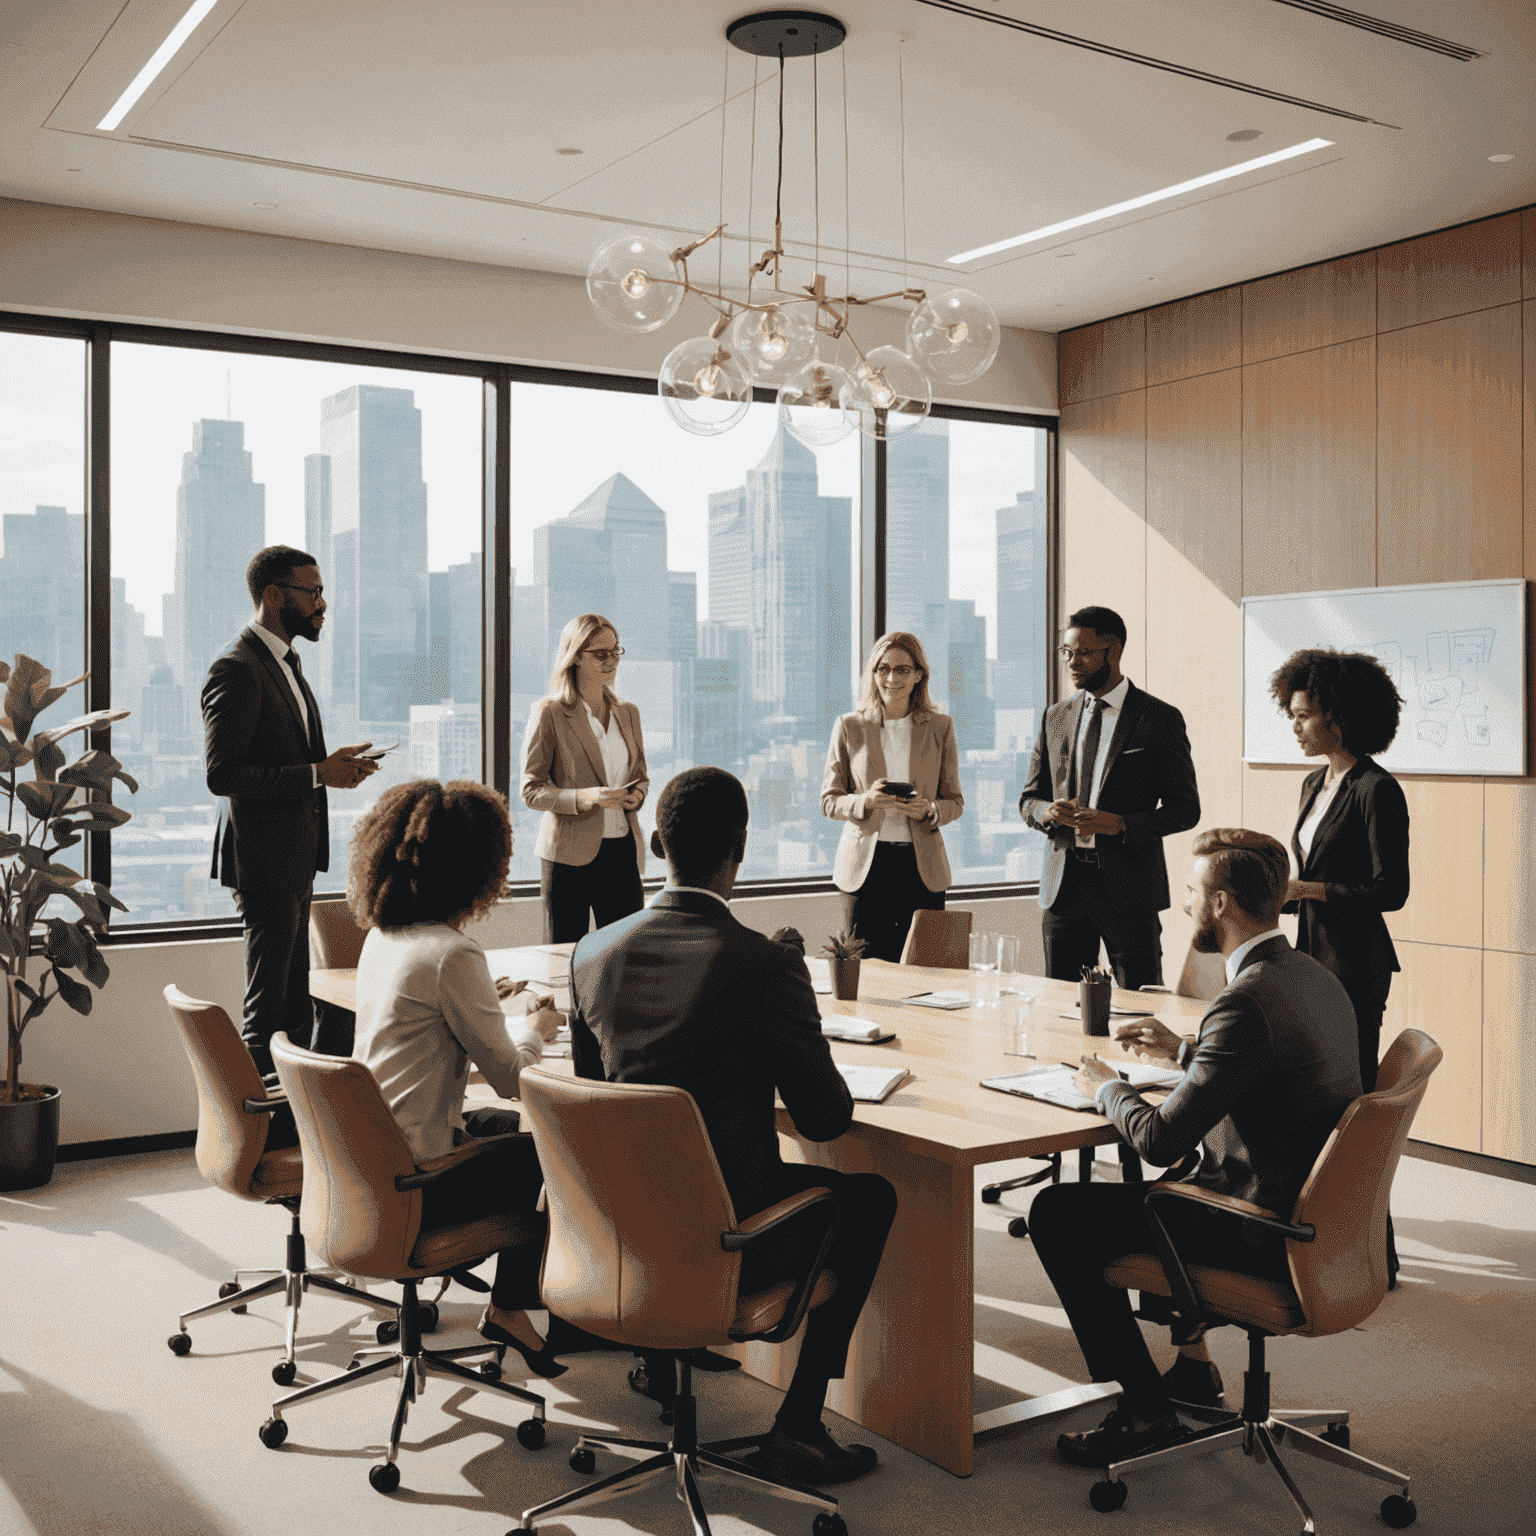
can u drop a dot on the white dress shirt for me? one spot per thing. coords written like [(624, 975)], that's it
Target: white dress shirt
[(615, 752), (1308, 829), (280, 649), (896, 747), (694, 890), (426, 1008), (1238, 955), (1111, 705)]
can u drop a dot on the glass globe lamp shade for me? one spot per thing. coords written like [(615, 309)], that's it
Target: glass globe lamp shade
[(774, 343), (953, 336), (631, 283), (704, 386), (810, 404), (887, 394)]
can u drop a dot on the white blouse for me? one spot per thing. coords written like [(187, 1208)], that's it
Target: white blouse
[(1308, 829), (615, 752), (896, 745)]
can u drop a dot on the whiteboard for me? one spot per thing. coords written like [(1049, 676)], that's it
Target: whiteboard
[(1456, 651)]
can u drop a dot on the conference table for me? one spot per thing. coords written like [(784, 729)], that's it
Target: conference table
[(910, 1371)]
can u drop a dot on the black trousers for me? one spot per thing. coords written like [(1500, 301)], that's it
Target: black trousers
[(1368, 1014), (880, 911), (866, 1208), (1077, 1229), (276, 970), (608, 888), (507, 1178), (1081, 915)]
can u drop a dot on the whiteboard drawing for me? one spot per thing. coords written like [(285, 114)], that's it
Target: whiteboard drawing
[(1456, 651)]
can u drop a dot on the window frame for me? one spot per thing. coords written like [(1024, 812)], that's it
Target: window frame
[(497, 379)]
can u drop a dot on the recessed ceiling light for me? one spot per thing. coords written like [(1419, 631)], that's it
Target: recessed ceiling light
[(1145, 199), (1500, 159), (1243, 135), (264, 205), (568, 151), (158, 60)]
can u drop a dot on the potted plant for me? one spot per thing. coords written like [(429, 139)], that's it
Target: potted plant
[(44, 815), (842, 951)]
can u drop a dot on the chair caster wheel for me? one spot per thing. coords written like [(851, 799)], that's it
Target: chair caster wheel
[(991, 1194), (582, 1460), (530, 1434), (273, 1433), (490, 1370), (1107, 1496), (1336, 1434), (179, 1343), (829, 1525), (427, 1317), (353, 1363), (1398, 1512), (384, 1478), (283, 1373), (639, 1381), (228, 1289), (387, 1332), (1018, 1227)]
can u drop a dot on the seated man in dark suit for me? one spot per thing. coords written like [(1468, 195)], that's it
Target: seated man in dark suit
[(683, 994), (1265, 1081)]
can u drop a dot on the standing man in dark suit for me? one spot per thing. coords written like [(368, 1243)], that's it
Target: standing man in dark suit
[(1110, 778), (1265, 1081), (266, 755), (681, 993)]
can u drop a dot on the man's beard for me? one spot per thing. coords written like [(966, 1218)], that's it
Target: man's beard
[(300, 625), (1096, 680), (1207, 940)]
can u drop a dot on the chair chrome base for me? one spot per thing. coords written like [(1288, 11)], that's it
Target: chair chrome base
[(681, 1456), (412, 1364)]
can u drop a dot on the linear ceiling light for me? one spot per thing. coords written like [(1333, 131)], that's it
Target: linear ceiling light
[(162, 56), (1145, 199)]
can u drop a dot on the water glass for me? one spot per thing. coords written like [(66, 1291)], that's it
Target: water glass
[(1009, 981), (1016, 1013), (983, 970)]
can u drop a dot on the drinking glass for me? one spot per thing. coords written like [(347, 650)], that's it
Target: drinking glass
[(1016, 1013), (983, 970), (1009, 982)]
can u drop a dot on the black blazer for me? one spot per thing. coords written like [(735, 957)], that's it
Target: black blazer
[(1275, 1065), (1149, 779), (1360, 854), (273, 832), (681, 993)]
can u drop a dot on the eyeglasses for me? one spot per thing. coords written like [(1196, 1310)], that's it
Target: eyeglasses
[(314, 592), (606, 653), (898, 672), (1083, 653)]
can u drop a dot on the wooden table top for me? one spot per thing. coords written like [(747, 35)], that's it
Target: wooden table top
[(941, 1111)]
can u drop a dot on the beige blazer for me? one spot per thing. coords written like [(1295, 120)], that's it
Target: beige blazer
[(855, 761), (560, 756)]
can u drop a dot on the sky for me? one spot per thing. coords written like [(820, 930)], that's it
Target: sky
[(565, 443)]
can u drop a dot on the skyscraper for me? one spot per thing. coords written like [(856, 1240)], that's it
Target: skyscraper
[(221, 521), (374, 664), (42, 590), (1021, 574), (969, 702), (917, 546)]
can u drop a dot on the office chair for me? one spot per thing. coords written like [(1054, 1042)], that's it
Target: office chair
[(335, 944), (1202, 976), (645, 1249), (941, 939), (233, 1115), (1336, 1241), (363, 1212)]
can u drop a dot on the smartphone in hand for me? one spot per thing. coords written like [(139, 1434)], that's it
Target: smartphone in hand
[(375, 754), (899, 788)]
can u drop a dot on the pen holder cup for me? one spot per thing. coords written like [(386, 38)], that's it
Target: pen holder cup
[(845, 979), (1093, 1005)]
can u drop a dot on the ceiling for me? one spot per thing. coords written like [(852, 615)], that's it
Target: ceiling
[(439, 129)]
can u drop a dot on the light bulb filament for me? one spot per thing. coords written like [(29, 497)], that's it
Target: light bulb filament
[(636, 283), (957, 332), (707, 379)]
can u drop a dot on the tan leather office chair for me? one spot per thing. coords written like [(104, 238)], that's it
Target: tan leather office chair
[(1202, 976), (939, 939), (1337, 1245), (362, 1212), (645, 1249), (233, 1114), (335, 944)]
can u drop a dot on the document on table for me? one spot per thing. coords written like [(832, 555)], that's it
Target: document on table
[(1054, 1084), (1114, 1013), (872, 1085), (951, 999), (860, 1031)]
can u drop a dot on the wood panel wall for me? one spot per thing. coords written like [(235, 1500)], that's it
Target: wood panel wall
[(1365, 421)]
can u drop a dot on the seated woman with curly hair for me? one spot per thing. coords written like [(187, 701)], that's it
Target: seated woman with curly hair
[(428, 859)]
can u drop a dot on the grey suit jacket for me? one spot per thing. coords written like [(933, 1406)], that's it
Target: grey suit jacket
[(1275, 1065), (273, 832), (1149, 779)]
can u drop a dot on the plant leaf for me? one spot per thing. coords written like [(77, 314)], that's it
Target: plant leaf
[(41, 1001), (90, 907), (47, 759), (9, 842), (98, 816), (5, 671), (90, 722), (75, 993), (63, 945), (25, 989), (28, 677), (95, 968), (63, 837), (104, 893), (44, 800)]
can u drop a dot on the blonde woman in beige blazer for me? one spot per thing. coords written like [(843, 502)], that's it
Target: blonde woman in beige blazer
[(584, 767), (891, 860)]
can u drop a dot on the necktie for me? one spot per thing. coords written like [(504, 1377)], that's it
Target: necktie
[(292, 658), (1090, 752)]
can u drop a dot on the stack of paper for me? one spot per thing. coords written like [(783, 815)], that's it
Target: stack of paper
[(954, 999), (870, 1085), (846, 1027)]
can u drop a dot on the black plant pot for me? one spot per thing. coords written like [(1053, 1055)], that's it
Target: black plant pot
[(29, 1139)]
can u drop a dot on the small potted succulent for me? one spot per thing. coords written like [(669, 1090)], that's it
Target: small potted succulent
[(842, 951), (45, 814)]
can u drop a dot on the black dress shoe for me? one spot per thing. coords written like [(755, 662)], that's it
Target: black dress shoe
[(540, 1361), (1194, 1381), (1120, 1437), (817, 1458)]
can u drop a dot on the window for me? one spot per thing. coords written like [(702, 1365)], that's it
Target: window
[(726, 565), (374, 471), (966, 566)]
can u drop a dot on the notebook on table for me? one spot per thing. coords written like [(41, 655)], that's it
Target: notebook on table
[(1054, 1083), (859, 1031), (872, 1085), (946, 1000)]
